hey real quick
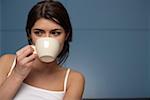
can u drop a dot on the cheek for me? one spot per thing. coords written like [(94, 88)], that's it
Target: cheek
[(61, 41), (33, 38), (61, 46)]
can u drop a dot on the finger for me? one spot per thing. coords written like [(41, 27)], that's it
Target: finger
[(29, 64), (22, 50), (26, 53), (28, 59)]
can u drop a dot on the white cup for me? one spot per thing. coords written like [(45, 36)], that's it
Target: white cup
[(47, 49)]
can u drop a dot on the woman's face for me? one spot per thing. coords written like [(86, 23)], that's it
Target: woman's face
[(47, 28)]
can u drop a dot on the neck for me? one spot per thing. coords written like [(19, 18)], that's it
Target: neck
[(43, 67)]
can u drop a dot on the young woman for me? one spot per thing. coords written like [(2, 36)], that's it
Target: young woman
[(24, 77)]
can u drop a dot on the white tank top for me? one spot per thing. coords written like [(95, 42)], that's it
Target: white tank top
[(28, 92)]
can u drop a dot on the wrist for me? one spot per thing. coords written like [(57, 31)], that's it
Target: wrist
[(17, 77)]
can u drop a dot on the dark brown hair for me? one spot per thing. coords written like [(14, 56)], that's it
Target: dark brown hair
[(55, 11)]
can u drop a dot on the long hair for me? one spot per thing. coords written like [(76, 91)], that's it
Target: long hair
[(55, 11)]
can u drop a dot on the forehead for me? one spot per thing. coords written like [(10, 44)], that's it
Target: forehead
[(43, 23)]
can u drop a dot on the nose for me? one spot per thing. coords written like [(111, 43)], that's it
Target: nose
[(47, 35)]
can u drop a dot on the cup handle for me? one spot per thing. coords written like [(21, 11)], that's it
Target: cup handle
[(35, 52)]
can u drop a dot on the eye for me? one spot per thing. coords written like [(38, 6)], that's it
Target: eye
[(38, 33), (56, 33)]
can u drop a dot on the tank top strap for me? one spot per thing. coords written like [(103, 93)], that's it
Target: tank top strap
[(12, 67), (66, 79)]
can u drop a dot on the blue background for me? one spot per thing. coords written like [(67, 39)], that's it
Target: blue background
[(111, 43)]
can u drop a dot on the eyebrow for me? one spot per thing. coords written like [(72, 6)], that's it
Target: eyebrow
[(57, 29), (37, 29)]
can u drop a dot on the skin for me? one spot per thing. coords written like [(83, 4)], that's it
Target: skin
[(30, 70)]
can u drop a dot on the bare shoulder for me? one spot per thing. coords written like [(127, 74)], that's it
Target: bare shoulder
[(76, 75), (7, 58), (75, 86), (6, 62), (77, 79)]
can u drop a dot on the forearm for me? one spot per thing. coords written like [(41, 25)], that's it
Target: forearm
[(9, 87)]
